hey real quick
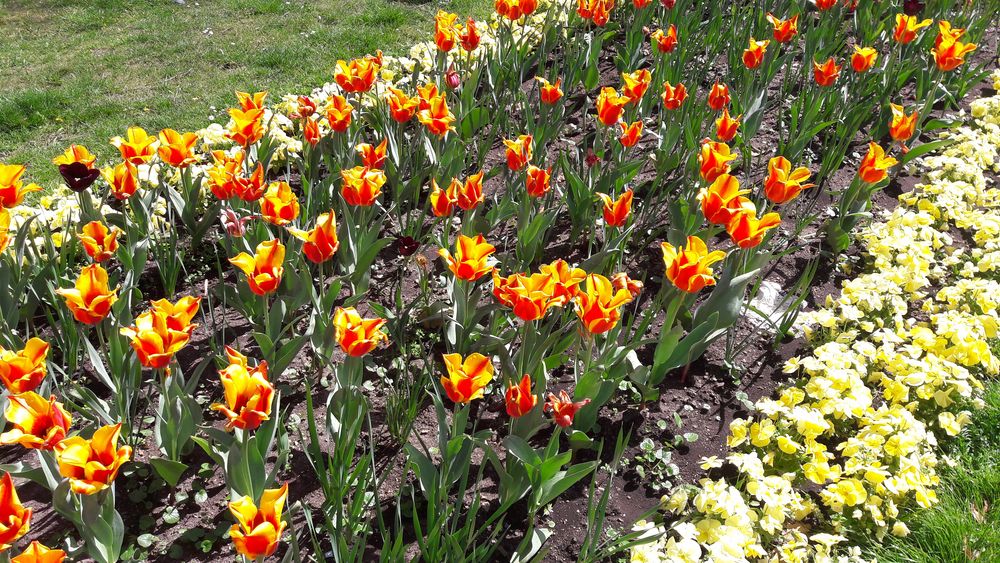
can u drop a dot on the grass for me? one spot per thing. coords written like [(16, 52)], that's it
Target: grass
[(83, 71), (965, 525)]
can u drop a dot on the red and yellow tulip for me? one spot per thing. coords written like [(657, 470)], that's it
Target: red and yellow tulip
[(279, 206), (91, 465), (518, 399), (90, 299), (15, 519), (264, 269), (466, 379), (357, 336), (320, 243), (258, 529), (247, 392), (99, 242), (689, 267), (471, 260)]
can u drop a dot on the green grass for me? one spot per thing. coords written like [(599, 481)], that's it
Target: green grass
[(82, 71), (965, 525)]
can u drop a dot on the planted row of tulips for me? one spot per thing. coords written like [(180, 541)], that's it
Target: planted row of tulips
[(622, 128)]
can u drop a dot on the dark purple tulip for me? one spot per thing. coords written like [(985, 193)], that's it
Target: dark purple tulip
[(78, 176)]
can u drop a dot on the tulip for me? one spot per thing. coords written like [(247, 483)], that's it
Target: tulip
[(451, 77), (548, 92), (622, 281), (320, 243), (75, 154), (310, 131), (673, 96), (753, 55), (91, 465), (616, 212), (610, 106), (635, 85), (99, 242), (123, 179), (361, 186), (5, 236), (563, 408), (248, 102), (247, 393), (12, 189), (665, 42), (16, 519), (784, 184), (258, 531), (38, 553), (443, 201), (24, 370), (631, 134), (689, 267), (863, 58), (356, 76), (469, 37), (537, 181), (875, 165), (565, 279), (597, 11), (372, 157), (402, 108), (357, 336), (223, 174), (599, 304), (279, 205), (467, 378), (784, 30), (824, 5), (178, 315), (518, 151), (177, 149), (338, 113), (137, 146), (518, 398), (35, 422), (902, 126), (826, 73), (264, 269), (246, 128), (747, 231), (718, 97), (530, 297), (907, 28), (950, 54), (640, 4), (947, 33), (76, 166), (252, 188), (471, 259), (469, 194), (515, 9), (726, 127), (234, 225), (714, 160), (445, 35), (437, 118), (723, 199), (154, 340), (90, 300)]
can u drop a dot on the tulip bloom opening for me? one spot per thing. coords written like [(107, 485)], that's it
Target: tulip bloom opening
[(784, 184), (320, 243), (875, 165), (471, 260), (16, 519), (599, 304), (466, 379), (36, 423), (90, 300), (24, 370), (247, 393), (264, 269), (518, 399), (357, 336), (689, 267), (91, 465), (616, 212), (563, 408), (258, 529), (723, 199)]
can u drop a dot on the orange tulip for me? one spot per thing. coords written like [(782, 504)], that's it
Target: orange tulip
[(902, 126), (471, 259), (640, 4), (320, 243), (689, 267), (469, 195), (137, 146), (784, 30), (714, 160), (279, 205), (178, 315), (635, 84), (518, 151), (24, 371), (548, 92), (357, 336), (537, 181), (177, 149), (372, 157), (338, 113), (247, 392), (361, 186), (35, 422), (718, 97), (358, 75), (38, 553), (747, 231), (599, 304), (443, 201), (515, 9), (154, 340), (223, 173), (610, 106), (950, 53), (784, 184), (726, 127), (826, 73), (753, 55), (563, 408), (863, 58), (258, 531), (673, 96), (310, 131), (247, 127), (565, 279), (518, 398), (947, 33), (98, 241), (466, 379), (75, 154), (91, 465), (824, 5), (722, 199), (437, 118), (530, 297), (252, 188), (264, 269), (907, 28), (622, 281), (445, 35), (469, 36), (252, 101), (12, 188), (16, 519), (616, 212), (5, 236), (875, 165), (597, 11), (402, 107), (90, 300), (631, 133), (123, 179), (665, 42)]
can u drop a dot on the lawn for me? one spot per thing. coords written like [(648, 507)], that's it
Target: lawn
[(82, 71)]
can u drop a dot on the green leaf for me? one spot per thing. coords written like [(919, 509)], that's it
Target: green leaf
[(169, 470)]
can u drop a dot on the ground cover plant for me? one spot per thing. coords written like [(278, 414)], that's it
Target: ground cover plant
[(400, 316)]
